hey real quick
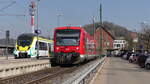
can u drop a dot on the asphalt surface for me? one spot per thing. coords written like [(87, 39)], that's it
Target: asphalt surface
[(119, 71)]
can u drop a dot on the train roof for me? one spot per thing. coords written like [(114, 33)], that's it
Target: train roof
[(28, 34), (72, 27), (69, 27), (33, 35)]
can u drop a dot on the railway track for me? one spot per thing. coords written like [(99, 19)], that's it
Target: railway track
[(54, 75), (38, 77)]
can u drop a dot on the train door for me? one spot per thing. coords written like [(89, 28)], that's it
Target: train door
[(86, 47), (49, 49), (42, 48)]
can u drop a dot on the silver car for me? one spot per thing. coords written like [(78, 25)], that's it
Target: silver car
[(147, 63)]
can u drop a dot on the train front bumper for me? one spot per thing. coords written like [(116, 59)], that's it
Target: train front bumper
[(66, 58)]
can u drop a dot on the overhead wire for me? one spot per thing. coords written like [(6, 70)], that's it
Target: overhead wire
[(7, 6)]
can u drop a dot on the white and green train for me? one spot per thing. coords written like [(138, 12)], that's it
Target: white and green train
[(28, 45)]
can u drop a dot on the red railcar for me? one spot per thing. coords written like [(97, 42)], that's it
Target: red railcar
[(73, 45)]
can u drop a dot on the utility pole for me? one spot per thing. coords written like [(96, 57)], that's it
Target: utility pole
[(7, 42), (93, 19), (101, 35), (101, 15), (38, 29)]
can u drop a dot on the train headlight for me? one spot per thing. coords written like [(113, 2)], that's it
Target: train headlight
[(57, 48), (77, 48)]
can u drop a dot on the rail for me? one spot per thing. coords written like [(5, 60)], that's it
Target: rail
[(85, 76)]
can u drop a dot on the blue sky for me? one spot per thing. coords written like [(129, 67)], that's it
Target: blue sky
[(128, 13)]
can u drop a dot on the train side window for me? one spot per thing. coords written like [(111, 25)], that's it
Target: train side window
[(86, 43), (45, 46), (40, 46)]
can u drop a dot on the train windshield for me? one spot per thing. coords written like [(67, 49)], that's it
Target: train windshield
[(24, 40), (68, 37)]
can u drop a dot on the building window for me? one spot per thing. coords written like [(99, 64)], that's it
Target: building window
[(118, 45)]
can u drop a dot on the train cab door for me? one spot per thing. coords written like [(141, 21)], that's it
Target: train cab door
[(86, 47)]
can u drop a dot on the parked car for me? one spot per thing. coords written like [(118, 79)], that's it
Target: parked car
[(133, 58), (125, 56), (123, 53), (147, 63), (142, 60), (128, 55)]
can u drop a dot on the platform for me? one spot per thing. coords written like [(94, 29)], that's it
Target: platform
[(119, 71), (11, 66)]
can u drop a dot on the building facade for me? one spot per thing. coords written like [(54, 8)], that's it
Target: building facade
[(105, 40), (119, 44)]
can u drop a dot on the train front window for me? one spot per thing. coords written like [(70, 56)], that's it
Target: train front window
[(24, 40), (68, 37), (68, 41)]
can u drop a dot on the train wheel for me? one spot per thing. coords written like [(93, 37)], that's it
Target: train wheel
[(16, 57), (130, 61), (37, 57), (28, 56), (53, 64)]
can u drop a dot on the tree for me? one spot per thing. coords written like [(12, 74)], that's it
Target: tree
[(145, 36)]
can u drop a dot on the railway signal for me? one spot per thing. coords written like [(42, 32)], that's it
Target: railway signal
[(32, 10), (37, 31)]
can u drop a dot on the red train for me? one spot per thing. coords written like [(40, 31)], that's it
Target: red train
[(73, 45)]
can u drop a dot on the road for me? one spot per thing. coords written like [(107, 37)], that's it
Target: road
[(119, 71)]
